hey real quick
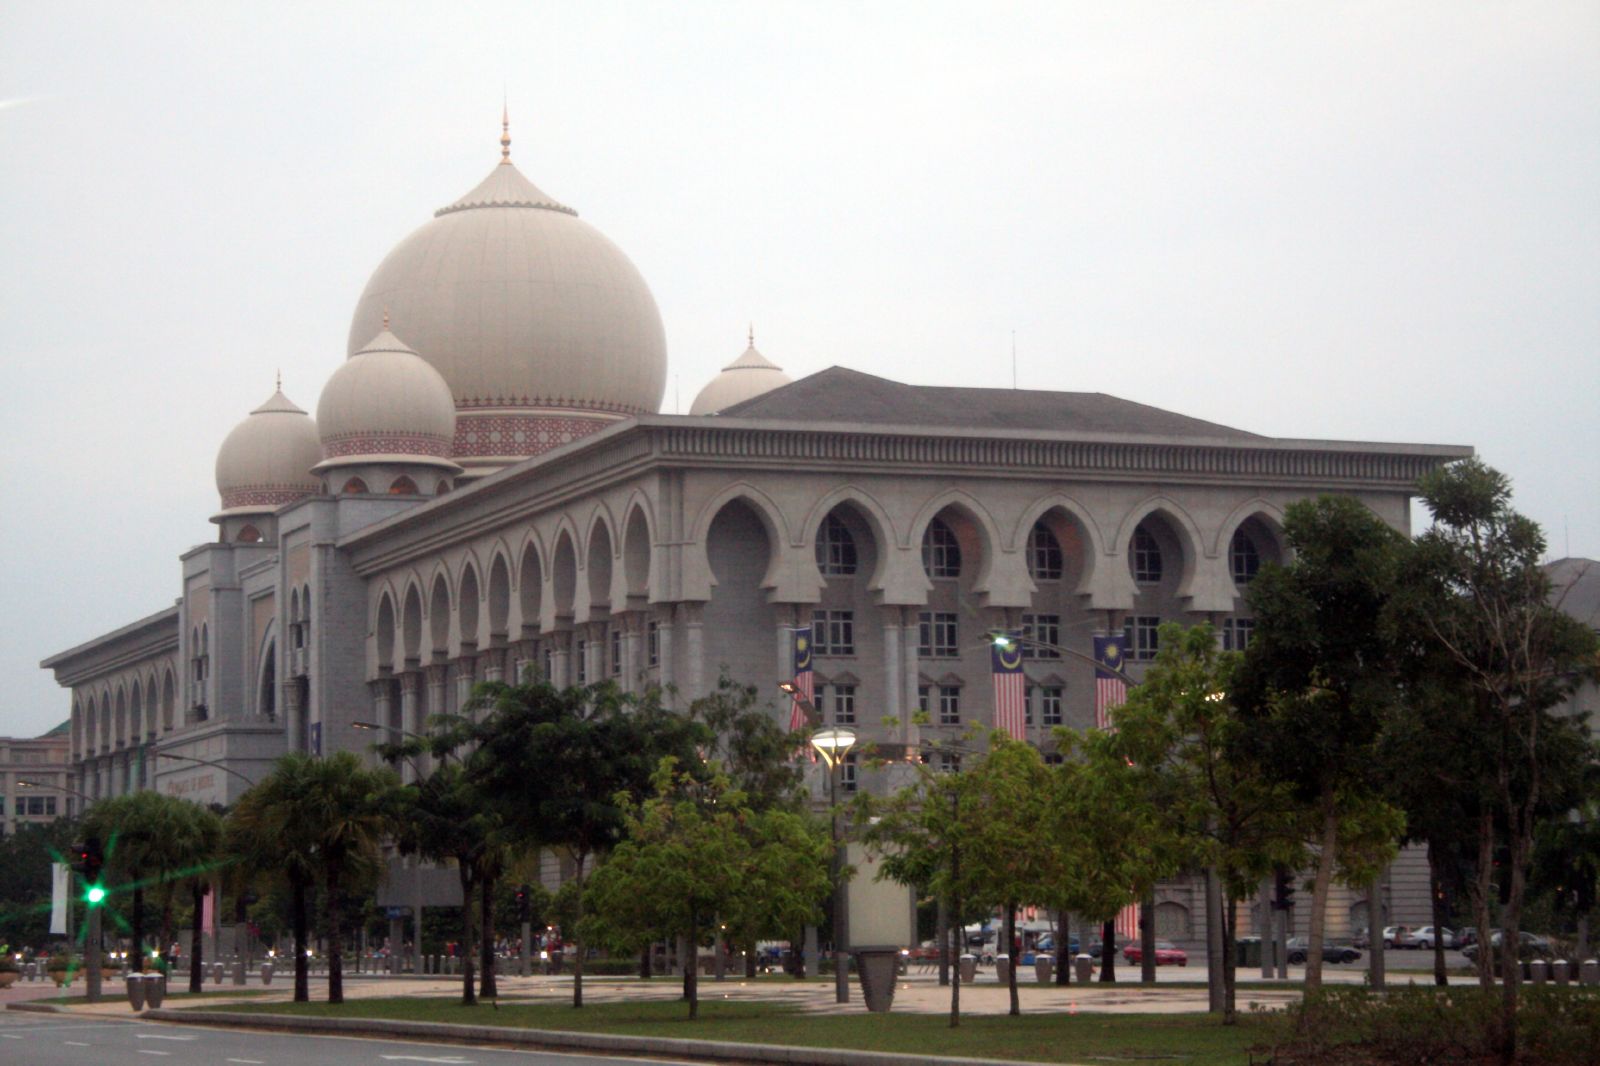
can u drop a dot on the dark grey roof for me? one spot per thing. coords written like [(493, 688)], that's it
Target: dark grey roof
[(840, 395), (1577, 585)]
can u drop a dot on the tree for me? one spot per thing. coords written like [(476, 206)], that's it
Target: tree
[(555, 762), (694, 850), (25, 858), (1179, 735), (1319, 678), (145, 839), (1492, 617), (197, 842)]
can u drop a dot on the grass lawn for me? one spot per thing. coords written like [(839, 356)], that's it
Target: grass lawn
[(1192, 1039)]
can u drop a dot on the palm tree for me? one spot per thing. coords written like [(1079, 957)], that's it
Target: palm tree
[(268, 831), (197, 843)]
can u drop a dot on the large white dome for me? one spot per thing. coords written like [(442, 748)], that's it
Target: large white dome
[(266, 461), (542, 328)]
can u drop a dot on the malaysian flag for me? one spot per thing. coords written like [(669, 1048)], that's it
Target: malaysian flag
[(1109, 688), (804, 693), (1127, 922), (1010, 693)]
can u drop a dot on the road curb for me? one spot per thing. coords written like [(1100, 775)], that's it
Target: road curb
[(37, 1008), (564, 1040)]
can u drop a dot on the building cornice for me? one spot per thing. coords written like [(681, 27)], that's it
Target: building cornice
[(136, 642)]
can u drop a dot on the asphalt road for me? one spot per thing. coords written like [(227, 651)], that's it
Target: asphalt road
[(65, 1040)]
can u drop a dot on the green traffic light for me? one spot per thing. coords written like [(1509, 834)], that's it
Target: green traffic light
[(95, 896)]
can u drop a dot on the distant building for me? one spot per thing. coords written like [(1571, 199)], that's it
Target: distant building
[(1575, 585), (487, 487), (42, 761)]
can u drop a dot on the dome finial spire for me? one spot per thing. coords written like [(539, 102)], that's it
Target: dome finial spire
[(752, 334), (279, 386), (385, 318), (505, 131)]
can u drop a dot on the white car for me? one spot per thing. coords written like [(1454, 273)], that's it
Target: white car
[(1425, 937)]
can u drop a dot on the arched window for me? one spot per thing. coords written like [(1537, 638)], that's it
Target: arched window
[(1244, 561), (1146, 560), (354, 487), (836, 548), (441, 488), (941, 553), (249, 535), (1044, 554), (403, 486)]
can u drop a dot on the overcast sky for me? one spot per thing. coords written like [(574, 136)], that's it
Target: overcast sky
[(1357, 221)]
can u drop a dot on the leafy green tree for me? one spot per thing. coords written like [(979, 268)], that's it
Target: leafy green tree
[(695, 850), (555, 762), (197, 841), (1493, 619), (1179, 736), (1320, 677), (143, 834), (25, 858)]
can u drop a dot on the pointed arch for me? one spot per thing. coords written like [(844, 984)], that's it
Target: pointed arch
[(698, 579), (499, 597), (469, 603), (169, 700), (980, 522), (532, 573), (598, 555), (1269, 514), (638, 548), (411, 619), (383, 634), (439, 614), (136, 711), (564, 565)]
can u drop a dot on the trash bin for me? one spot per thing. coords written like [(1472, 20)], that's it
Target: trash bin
[(969, 969), (1538, 971), (1249, 951), (1002, 969), (135, 985), (266, 973), (1084, 964), (1044, 968), (155, 989), (877, 969), (1561, 971)]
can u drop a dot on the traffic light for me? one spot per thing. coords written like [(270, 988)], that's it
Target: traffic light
[(90, 860), (1283, 890), (524, 903)]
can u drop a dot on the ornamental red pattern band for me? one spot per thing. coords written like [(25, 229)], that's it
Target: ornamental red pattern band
[(522, 435), (264, 496), (386, 444)]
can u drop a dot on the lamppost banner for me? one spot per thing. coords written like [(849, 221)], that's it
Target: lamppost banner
[(60, 885)]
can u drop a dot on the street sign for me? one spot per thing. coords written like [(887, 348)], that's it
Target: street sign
[(397, 912)]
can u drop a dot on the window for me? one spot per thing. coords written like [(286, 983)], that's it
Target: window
[(936, 635), (403, 486), (1140, 633), (833, 632), (1146, 557), (1044, 554), (1044, 629), (946, 762), (949, 705), (580, 657), (844, 705), (354, 487), (1243, 559), (1050, 704), (836, 548), (941, 554), (616, 651), (1027, 705), (925, 701), (1053, 758), (847, 773), (652, 641), (1237, 633)]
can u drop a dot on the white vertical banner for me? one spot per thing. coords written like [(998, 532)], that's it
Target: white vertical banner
[(60, 885)]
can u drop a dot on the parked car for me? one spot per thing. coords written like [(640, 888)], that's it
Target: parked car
[(1046, 945), (1425, 937), (1393, 935), (1167, 953), (1528, 946), (1467, 934), (1299, 948)]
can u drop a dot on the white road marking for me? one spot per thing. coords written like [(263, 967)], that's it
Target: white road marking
[(147, 1051), (453, 1060), (252, 1062), (14, 1036), (74, 1043), (158, 1036)]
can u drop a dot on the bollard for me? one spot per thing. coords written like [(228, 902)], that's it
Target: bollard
[(216, 973), (1561, 972), (238, 971), (155, 989), (30, 972), (135, 983), (969, 969), (266, 973), (1538, 971), (1084, 964), (1044, 968), (1589, 972), (1002, 968)]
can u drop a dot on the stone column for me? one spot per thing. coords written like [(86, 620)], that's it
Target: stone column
[(694, 681), (438, 678), (382, 692), (466, 679), (631, 665), (665, 647), (493, 664), (894, 673), (410, 713), (293, 713), (561, 659)]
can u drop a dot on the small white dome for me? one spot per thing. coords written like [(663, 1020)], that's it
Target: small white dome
[(386, 404), (745, 378), (266, 460)]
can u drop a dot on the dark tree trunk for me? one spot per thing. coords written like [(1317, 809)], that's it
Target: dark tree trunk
[(469, 995), (577, 939), (1014, 957), (1440, 976), (644, 963), (1063, 949), (297, 904), (196, 944), (486, 981), (1147, 938), (1230, 965), (1108, 952), (750, 960), (691, 978), (333, 932), (138, 931)]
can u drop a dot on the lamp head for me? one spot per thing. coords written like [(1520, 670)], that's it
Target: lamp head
[(833, 744)]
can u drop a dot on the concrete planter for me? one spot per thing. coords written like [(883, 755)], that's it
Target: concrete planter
[(1044, 969), (878, 968), (969, 969), (135, 983), (155, 989)]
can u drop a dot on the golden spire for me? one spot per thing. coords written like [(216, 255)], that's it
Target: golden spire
[(505, 133), (752, 334), (279, 385), (385, 318)]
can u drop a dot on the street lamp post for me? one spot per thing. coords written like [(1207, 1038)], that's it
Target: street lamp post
[(833, 745), (206, 762)]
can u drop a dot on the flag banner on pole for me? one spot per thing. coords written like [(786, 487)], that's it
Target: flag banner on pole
[(60, 885), (208, 910), (1128, 922), (804, 689), (1109, 688), (1010, 691)]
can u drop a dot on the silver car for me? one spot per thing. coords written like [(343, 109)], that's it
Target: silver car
[(1425, 937)]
